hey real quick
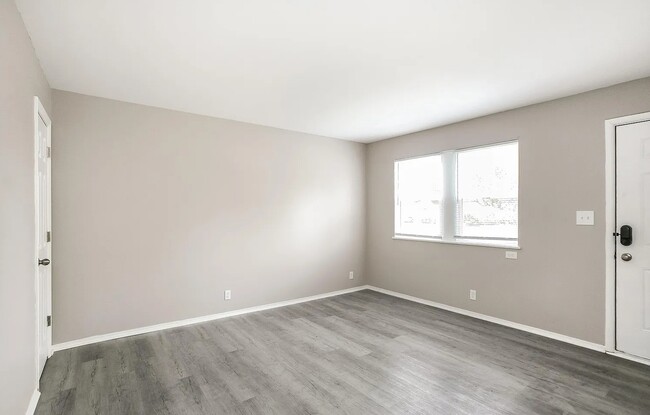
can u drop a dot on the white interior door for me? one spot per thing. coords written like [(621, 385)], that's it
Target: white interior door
[(633, 255), (43, 233)]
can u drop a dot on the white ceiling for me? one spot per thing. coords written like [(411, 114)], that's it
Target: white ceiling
[(359, 70)]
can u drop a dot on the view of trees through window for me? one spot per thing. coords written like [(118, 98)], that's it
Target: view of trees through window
[(483, 183), (488, 187)]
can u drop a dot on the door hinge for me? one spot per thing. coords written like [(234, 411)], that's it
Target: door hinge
[(49, 236), (49, 152), (49, 321)]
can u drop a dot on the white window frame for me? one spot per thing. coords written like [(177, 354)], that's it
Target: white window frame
[(449, 202)]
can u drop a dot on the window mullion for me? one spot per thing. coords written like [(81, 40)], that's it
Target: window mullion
[(449, 195)]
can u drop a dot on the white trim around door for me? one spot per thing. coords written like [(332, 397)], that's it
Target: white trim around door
[(610, 229)]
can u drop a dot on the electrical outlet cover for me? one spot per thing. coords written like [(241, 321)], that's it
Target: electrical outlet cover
[(511, 254)]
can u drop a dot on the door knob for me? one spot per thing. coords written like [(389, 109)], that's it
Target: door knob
[(44, 261), (626, 257)]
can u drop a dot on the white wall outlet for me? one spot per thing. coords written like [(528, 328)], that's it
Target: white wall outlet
[(472, 295), (585, 217), (351, 276), (227, 295), (511, 254)]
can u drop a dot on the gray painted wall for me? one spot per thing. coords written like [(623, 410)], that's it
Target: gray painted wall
[(157, 212), (21, 78), (558, 282), (121, 170)]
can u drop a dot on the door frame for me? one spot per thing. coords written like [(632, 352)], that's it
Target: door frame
[(610, 228), (40, 112)]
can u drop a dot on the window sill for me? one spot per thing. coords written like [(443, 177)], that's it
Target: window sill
[(487, 244)]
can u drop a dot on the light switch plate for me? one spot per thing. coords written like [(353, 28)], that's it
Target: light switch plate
[(585, 217)]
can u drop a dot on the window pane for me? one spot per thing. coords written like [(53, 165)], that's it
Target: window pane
[(418, 196), (487, 191)]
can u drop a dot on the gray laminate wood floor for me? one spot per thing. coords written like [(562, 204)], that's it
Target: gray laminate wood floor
[(360, 353)]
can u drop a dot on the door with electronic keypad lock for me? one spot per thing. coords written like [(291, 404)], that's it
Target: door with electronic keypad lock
[(43, 169), (633, 239)]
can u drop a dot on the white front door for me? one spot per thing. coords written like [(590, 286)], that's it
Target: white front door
[(43, 232), (633, 241)]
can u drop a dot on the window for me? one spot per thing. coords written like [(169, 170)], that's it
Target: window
[(462, 196), (488, 192), (419, 195)]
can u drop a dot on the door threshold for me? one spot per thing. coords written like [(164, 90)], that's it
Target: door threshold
[(631, 357)]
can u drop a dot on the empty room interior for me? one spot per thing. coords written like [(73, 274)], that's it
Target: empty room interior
[(324, 207)]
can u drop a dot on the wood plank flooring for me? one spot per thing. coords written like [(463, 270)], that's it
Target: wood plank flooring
[(359, 353)]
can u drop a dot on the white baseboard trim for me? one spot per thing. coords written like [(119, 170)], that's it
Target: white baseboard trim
[(33, 402), (502, 322), (187, 322)]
